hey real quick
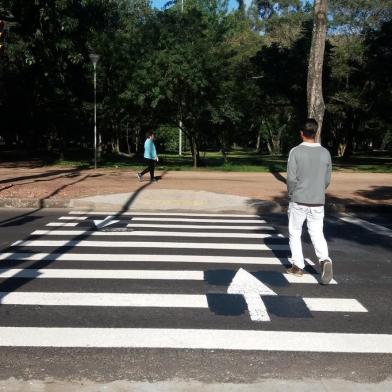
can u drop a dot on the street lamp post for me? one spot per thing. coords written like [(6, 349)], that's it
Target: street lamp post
[(180, 125), (94, 59)]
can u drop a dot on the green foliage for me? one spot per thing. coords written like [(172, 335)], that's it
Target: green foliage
[(231, 77)]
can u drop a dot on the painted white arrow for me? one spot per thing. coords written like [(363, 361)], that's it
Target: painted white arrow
[(104, 222), (252, 289)]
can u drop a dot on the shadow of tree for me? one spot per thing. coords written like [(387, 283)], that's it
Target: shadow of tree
[(17, 281), (336, 228), (16, 220), (377, 193), (274, 170), (50, 173)]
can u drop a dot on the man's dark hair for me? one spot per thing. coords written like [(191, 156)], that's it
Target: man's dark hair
[(149, 133), (310, 128)]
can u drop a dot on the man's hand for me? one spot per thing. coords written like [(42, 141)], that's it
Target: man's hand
[(157, 159)]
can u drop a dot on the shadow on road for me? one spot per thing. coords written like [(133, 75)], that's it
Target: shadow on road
[(15, 283)]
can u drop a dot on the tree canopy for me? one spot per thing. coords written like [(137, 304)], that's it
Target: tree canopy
[(229, 76)]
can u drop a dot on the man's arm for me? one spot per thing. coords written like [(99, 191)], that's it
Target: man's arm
[(291, 173), (328, 172)]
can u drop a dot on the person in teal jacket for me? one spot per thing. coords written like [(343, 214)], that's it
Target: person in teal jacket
[(150, 156)]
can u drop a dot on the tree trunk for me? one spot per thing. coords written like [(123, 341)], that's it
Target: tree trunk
[(116, 145), (195, 151), (316, 106), (258, 142), (137, 140), (99, 147), (127, 139)]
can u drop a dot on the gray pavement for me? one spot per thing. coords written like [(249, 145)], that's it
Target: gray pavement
[(172, 200), (191, 386)]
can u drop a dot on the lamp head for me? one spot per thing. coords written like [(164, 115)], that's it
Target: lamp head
[(94, 58)]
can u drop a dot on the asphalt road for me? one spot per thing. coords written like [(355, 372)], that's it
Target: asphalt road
[(193, 300)]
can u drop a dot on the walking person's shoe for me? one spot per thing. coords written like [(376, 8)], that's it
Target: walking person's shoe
[(326, 271), (294, 270), (153, 180), (139, 176)]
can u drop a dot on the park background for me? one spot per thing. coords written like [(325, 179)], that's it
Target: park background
[(232, 73)]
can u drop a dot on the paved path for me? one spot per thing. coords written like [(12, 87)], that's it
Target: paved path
[(196, 295), (43, 186)]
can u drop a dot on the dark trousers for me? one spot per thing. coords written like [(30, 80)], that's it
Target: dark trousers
[(150, 168)]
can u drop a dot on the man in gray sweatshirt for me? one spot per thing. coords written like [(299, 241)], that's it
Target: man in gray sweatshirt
[(308, 175)]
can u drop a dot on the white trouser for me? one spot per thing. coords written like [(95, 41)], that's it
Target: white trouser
[(314, 216)]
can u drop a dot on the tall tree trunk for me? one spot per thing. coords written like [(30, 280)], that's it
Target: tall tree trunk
[(127, 139), (195, 151), (258, 142), (137, 140), (316, 106)]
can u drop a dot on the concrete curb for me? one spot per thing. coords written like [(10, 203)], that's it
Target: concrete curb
[(254, 206), (34, 203)]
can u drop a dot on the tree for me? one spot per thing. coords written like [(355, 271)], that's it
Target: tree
[(356, 63), (315, 99)]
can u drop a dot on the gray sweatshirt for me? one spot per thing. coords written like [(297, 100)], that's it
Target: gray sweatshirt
[(308, 173)]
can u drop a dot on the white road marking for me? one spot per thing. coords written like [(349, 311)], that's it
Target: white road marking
[(334, 305), (61, 224), (310, 262), (163, 219), (104, 299), (105, 222), (163, 214), (251, 289), (100, 274), (209, 339), (142, 257), (305, 278), (80, 218), (378, 229), (204, 227), (153, 300), (140, 244), (145, 233)]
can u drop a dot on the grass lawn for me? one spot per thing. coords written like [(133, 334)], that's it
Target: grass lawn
[(241, 161)]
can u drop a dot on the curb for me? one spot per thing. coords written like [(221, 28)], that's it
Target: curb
[(261, 206), (34, 203)]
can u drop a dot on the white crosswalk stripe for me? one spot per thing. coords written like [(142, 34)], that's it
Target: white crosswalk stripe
[(125, 274), (196, 220), (141, 257), (61, 224), (79, 218), (204, 227), (206, 215), (145, 244), (69, 275), (154, 300), (196, 339), (100, 274), (149, 233), (306, 278)]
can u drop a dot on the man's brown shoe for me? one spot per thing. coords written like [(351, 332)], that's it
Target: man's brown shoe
[(326, 271), (294, 270)]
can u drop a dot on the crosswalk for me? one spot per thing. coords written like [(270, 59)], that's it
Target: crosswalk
[(170, 280)]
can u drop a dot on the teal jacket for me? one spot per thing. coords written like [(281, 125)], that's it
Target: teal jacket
[(150, 151)]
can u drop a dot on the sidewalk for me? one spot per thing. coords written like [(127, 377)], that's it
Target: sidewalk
[(39, 187), (268, 385)]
